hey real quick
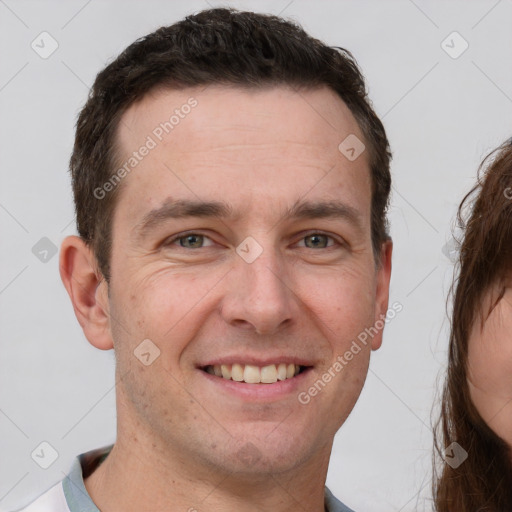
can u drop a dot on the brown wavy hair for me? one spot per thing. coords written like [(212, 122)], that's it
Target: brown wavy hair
[(215, 46), (483, 482)]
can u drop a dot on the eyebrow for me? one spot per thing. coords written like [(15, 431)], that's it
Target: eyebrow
[(183, 208), (325, 210)]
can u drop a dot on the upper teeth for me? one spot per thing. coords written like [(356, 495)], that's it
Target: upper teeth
[(255, 374)]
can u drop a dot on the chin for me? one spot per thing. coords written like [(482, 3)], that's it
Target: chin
[(268, 452)]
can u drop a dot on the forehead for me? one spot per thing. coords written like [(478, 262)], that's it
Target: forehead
[(244, 145), (228, 111)]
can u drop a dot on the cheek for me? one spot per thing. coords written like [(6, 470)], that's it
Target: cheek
[(344, 301), (158, 305), (490, 356), (169, 308), (490, 371)]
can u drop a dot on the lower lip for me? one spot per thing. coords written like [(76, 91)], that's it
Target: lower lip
[(260, 392)]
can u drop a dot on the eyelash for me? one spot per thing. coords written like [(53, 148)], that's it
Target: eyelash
[(181, 236)]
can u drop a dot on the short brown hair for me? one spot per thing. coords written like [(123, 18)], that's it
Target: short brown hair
[(484, 480), (215, 46)]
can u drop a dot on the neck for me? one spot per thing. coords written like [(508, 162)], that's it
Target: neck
[(140, 475)]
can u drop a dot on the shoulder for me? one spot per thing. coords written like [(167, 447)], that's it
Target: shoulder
[(52, 500), (333, 504)]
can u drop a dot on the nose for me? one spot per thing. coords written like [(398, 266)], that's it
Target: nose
[(259, 297)]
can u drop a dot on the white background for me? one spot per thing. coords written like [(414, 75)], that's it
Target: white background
[(442, 116)]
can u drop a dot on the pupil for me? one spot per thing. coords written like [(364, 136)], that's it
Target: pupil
[(316, 240), (192, 241)]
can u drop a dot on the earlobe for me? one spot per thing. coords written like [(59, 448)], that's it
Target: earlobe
[(382, 292), (87, 290)]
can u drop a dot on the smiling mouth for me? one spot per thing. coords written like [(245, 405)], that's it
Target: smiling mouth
[(252, 374)]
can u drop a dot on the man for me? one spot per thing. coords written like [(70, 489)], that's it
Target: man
[(231, 183)]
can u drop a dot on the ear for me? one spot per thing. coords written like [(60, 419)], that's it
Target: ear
[(87, 290), (383, 277)]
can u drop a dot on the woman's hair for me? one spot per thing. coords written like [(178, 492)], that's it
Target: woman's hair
[(483, 482)]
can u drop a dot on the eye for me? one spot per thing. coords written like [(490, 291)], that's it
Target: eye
[(191, 241), (317, 241)]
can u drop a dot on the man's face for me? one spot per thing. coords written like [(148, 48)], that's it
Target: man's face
[(275, 279)]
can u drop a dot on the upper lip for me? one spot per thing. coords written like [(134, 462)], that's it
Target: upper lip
[(256, 360)]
